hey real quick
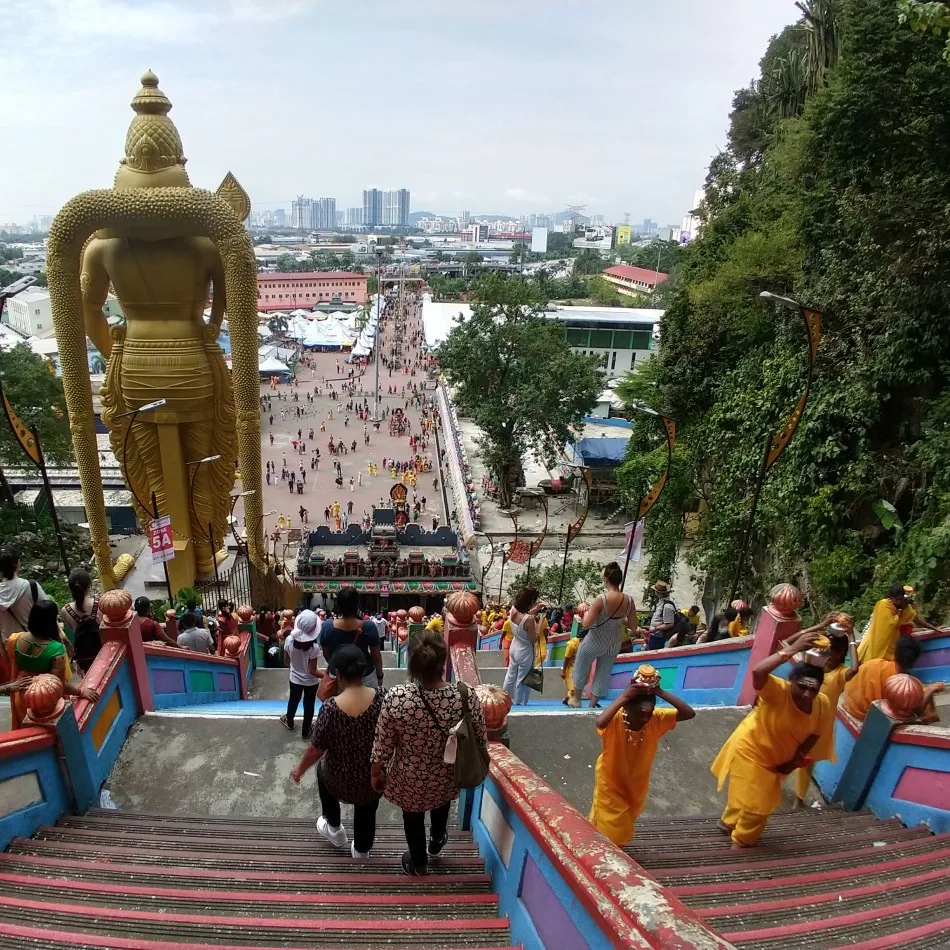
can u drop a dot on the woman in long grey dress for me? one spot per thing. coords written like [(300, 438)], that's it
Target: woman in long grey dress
[(602, 643), (523, 617)]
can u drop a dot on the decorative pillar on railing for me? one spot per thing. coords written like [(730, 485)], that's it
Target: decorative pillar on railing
[(461, 637), (902, 697), (779, 620), (44, 701), (120, 624)]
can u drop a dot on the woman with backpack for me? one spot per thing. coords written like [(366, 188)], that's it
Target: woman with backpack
[(408, 758), (603, 621), (84, 603)]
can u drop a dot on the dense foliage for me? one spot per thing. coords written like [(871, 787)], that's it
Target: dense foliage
[(515, 376), (834, 189), (583, 580)]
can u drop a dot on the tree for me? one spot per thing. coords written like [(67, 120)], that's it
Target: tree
[(924, 16), (40, 279), (372, 284), (278, 324), (829, 211), (589, 262), (666, 254), (516, 377), (36, 396), (583, 580), (472, 257), (286, 263)]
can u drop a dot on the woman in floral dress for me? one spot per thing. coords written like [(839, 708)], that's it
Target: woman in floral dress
[(408, 754)]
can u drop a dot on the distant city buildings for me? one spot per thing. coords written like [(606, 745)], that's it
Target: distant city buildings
[(300, 211), (633, 281), (304, 291), (30, 313), (389, 208), (353, 218), (323, 214)]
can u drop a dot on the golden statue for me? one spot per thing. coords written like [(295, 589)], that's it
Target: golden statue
[(162, 246)]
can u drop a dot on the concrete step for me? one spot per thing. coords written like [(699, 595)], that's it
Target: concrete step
[(18, 937), (248, 879), (838, 902), (201, 900), (213, 927), (273, 684), (384, 860)]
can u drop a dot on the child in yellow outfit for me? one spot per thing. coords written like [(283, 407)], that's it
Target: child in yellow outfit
[(790, 726), (567, 667), (630, 728)]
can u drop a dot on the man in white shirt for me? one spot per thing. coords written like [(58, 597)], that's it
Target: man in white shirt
[(382, 625), (193, 636), (17, 595)]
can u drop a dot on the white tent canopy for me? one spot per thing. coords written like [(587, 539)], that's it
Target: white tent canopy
[(272, 366)]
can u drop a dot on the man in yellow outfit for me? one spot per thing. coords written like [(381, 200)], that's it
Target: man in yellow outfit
[(630, 728), (868, 685), (893, 615), (790, 726)]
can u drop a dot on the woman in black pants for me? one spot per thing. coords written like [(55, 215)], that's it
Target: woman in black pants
[(409, 751), (303, 653), (342, 740)]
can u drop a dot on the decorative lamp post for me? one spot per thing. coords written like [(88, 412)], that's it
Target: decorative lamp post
[(776, 443)]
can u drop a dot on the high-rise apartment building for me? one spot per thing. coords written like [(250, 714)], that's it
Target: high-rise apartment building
[(280, 218), (323, 214), (353, 217), (396, 208), (372, 207), (301, 211), (386, 207)]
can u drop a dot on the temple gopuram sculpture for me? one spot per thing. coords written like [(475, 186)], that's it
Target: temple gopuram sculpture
[(178, 423)]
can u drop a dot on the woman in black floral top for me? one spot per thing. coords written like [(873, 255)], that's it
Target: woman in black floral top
[(341, 741), (408, 754)]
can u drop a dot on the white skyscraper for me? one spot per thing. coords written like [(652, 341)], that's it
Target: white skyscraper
[(323, 213), (301, 211)]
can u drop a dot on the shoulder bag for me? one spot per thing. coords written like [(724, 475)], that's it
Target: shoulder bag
[(461, 746)]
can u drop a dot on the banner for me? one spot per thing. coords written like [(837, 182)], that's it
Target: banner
[(160, 538), (539, 240), (636, 537), (624, 234)]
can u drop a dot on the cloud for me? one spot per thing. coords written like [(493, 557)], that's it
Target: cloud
[(155, 20), (526, 197), (582, 198)]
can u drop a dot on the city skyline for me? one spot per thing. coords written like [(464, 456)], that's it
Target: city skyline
[(616, 106)]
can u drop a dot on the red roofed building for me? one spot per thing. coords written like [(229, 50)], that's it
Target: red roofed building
[(634, 281), (306, 290)]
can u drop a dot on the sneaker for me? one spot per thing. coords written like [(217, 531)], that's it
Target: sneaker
[(358, 855), (435, 847), (336, 836), (286, 723), (411, 869)]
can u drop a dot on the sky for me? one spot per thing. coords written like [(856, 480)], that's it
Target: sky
[(507, 106)]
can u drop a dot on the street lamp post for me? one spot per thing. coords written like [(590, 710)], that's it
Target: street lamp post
[(379, 319), (775, 444), (257, 526), (153, 507), (234, 501), (195, 466)]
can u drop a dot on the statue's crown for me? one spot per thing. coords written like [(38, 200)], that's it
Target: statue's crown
[(152, 142)]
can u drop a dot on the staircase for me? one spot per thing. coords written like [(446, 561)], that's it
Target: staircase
[(116, 879), (819, 880)]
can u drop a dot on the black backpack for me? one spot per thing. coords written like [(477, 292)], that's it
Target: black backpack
[(88, 642), (681, 626)]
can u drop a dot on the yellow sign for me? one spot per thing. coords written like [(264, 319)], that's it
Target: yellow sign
[(624, 234)]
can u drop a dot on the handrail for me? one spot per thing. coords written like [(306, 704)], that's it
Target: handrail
[(690, 649), (100, 674), (20, 741), (180, 653), (633, 909)]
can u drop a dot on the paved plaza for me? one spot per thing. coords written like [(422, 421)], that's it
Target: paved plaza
[(327, 373)]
